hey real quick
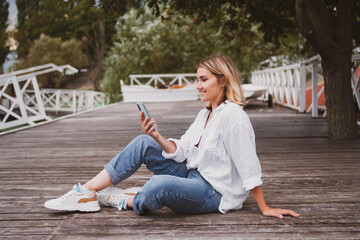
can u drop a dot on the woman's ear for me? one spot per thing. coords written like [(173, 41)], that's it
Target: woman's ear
[(222, 81)]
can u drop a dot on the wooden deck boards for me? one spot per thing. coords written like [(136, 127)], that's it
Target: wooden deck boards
[(302, 170)]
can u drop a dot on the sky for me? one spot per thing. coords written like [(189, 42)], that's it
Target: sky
[(12, 14)]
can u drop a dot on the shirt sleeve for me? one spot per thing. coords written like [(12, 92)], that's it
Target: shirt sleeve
[(239, 142), (182, 146)]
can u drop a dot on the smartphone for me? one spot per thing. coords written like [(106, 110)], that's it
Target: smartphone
[(143, 109)]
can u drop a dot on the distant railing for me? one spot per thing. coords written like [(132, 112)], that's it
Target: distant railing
[(23, 103), (284, 84), (355, 79), (63, 100), (314, 66), (38, 70), (156, 78), (13, 110), (287, 85)]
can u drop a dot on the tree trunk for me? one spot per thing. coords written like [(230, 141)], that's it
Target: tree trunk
[(341, 117), (100, 53), (332, 38)]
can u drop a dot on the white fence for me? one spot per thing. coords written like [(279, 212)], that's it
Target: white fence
[(13, 110), (355, 80), (63, 100), (160, 88), (180, 78), (23, 103), (287, 85), (284, 84), (38, 70)]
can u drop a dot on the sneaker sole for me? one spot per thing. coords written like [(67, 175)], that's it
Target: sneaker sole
[(77, 208)]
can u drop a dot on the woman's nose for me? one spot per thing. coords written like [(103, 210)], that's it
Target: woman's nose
[(198, 85)]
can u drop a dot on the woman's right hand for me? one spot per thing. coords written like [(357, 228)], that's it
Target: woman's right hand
[(147, 128)]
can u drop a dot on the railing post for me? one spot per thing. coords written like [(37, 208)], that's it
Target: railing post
[(91, 100), (314, 97), (73, 105), (20, 101), (38, 97), (302, 94), (57, 101)]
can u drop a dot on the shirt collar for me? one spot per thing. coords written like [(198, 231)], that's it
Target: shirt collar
[(221, 106)]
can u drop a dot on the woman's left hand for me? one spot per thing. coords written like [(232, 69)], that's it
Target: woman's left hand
[(278, 212)]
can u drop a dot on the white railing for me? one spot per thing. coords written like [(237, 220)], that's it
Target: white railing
[(38, 70), (287, 85), (180, 78), (63, 100), (23, 103), (355, 80), (284, 84), (14, 112)]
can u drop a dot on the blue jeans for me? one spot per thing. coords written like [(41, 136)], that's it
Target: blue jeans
[(184, 191)]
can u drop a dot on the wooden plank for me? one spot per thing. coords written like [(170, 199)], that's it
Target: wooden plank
[(302, 170)]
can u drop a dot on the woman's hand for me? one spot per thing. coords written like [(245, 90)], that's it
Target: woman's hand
[(278, 212), (147, 128), (166, 145), (265, 209)]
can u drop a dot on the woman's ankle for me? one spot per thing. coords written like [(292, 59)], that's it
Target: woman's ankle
[(129, 202), (88, 187)]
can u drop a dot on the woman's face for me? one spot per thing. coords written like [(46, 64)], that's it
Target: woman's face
[(208, 86)]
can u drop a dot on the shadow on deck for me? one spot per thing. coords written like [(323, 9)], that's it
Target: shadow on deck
[(302, 170)]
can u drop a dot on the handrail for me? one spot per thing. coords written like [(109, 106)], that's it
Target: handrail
[(287, 84), (68, 100), (40, 67), (283, 84), (24, 74), (292, 66), (355, 57), (22, 102), (179, 77), (312, 59)]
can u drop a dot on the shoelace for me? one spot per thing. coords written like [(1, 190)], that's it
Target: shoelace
[(117, 201), (70, 193)]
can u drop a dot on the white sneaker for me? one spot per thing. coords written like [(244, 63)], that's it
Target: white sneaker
[(75, 200), (115, 197)]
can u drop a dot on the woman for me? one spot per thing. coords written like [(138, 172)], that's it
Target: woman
[(212, 168)]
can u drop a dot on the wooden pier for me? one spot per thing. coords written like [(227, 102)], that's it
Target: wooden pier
[(302, 170)]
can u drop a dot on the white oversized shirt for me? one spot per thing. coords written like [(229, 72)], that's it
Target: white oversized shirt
[(226, 156)]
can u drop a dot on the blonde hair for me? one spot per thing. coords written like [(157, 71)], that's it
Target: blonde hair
[(226, 74)]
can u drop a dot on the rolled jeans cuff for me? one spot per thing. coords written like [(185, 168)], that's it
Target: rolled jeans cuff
[(113, 175)]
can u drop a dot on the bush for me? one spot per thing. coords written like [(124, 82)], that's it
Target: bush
[(52, 50), (144, 44)]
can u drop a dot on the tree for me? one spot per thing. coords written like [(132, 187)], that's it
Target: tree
[(331, 33), (91, 21), (53, 50), (328, 27), (36, 17), (146, 44), (4, 13)]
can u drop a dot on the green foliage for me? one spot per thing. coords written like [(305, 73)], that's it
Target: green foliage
[(146, 44), (4, 13), (53, 50), (36, 17), (91, 21)]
